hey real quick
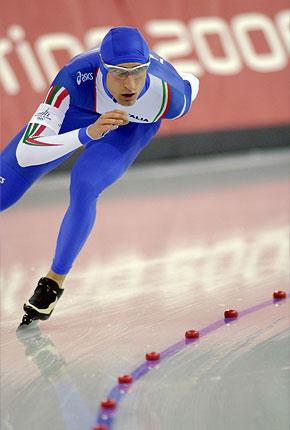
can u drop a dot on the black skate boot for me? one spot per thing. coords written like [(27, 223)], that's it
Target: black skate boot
[(42, 302)]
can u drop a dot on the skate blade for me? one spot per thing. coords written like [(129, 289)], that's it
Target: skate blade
[(27, 321), (25, 325), (29, 317)]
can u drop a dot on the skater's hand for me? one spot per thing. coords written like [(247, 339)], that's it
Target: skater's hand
[(107, 122)]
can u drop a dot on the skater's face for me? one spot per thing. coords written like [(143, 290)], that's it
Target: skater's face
[(124, 86)]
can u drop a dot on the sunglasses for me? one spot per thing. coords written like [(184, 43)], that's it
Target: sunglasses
[(124, 72)]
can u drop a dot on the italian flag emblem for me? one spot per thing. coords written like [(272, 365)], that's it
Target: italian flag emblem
[(31, 136), (56, 95), (166, 96)]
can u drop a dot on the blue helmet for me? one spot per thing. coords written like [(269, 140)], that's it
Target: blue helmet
[(124, 45)]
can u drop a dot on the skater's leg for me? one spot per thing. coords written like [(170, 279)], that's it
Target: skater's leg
[(87, 181), (57, 277), (13, 186), (100, 165), (16, 180), (96, 169)]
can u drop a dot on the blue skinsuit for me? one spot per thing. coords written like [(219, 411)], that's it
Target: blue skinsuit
[(103, 161)]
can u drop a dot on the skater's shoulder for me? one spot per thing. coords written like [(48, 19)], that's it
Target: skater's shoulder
[(77, 77), (165, 71), (89, 60), (178, 91)]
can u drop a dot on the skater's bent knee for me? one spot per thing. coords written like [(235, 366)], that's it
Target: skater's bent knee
[(84, 191), (12, 186)]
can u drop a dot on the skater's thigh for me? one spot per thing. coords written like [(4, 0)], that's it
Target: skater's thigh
[(29, 173), (16, 180), (104, 161), (98, 167)]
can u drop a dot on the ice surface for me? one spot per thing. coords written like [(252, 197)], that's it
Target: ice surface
[(173, 247)]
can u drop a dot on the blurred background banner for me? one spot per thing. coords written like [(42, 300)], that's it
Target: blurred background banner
[(239, 50)]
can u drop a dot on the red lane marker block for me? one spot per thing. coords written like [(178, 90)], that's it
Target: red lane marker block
[(101, 427), (108, 404), (125, 379), (152, 356), (279, 295), (231, 313), (192, 334)]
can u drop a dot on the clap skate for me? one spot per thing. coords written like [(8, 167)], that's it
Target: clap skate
[(43, 301)]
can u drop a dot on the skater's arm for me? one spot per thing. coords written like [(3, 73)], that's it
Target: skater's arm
[(180, 102), (42, 143), (182, 88)]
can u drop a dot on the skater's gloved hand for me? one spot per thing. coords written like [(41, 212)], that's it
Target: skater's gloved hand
[(107, 122)]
